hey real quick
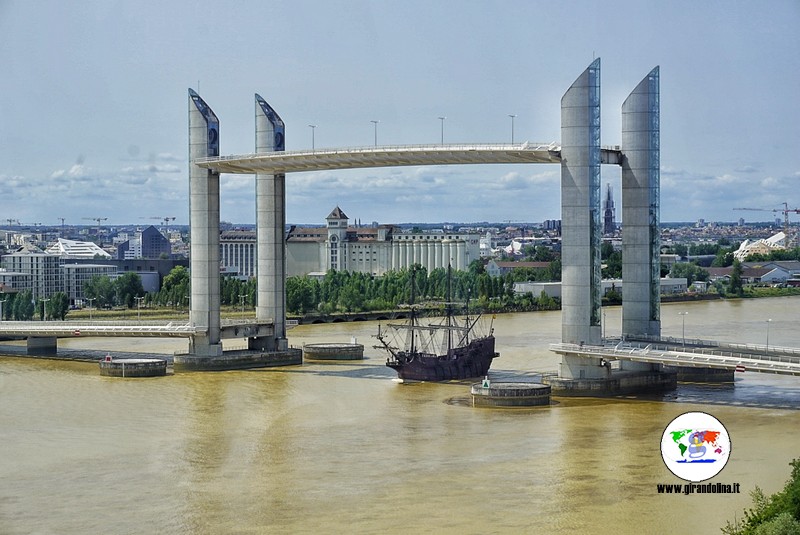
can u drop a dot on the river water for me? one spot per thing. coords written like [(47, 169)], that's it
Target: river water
[(342, 448)]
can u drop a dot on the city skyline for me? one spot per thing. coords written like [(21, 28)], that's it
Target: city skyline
[(94, 103)]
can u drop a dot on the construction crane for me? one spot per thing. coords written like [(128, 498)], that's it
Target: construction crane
[(99, 221), (785, 210), (11, 221), (164, 221), (61, 234)]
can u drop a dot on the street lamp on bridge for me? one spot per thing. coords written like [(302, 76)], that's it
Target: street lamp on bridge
[(442, 119), (44, 301), (139, 307), (768, 322), (375, 124), (90, 299), (683, 327), (313, 128), (604, 312), (512, 127)]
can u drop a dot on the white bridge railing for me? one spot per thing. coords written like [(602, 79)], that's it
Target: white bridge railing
[(780, 364)]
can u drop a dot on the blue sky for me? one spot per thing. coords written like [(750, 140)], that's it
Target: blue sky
[(93, 101)]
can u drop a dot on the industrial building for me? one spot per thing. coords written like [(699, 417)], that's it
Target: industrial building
[(375, 249)]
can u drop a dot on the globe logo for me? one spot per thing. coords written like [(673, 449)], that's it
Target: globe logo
[(695, 446)]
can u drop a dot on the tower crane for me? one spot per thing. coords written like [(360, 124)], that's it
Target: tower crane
[(785, 210), (99, 221), (165, 221)]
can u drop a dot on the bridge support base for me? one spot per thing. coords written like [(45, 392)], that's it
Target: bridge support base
[(238, 360), (42, 345), (617, 383), (267, 343), (688, 374)]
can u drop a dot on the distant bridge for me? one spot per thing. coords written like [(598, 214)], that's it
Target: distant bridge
[(72, 329), (704, 354), (43, 335), (392, 156)]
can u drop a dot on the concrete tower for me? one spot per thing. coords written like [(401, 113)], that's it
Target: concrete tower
[(270, 225), (580, 208), (337, 239), (641, 261), (204, 221)]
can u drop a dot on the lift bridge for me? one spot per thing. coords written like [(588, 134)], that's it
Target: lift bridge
[(42, 336), (676, 352)]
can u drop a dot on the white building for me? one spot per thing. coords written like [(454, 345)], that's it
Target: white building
[(76, 275), (71, 249), (763, 246), (553, 289), (237, 252), (375, 249), (44, 270)]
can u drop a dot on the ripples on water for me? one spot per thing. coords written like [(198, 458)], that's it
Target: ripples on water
[(341, 447)]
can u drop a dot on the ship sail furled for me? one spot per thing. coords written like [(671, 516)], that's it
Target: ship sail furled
[(438, 351)]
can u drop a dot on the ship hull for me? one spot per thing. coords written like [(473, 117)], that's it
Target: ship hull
[(472, 360)]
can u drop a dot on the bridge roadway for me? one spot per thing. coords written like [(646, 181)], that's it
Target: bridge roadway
[(692, 353), (73, 329), (393, 156)]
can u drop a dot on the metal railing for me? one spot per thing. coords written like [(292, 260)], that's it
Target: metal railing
[(438, 147), (672, 357), (698, 343)]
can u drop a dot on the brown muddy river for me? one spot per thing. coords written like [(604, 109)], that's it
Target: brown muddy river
[(342, 448)]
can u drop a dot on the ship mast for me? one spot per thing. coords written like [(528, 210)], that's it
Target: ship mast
[(449, 309), (466, 319), (413, 311)]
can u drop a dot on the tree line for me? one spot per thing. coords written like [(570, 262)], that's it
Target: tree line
[(343, 291), (20, 306), (777, 513)]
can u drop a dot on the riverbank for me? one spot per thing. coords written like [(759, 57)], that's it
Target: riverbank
[(168, 314)]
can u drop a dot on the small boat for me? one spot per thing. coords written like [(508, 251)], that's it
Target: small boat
[(450, 349)]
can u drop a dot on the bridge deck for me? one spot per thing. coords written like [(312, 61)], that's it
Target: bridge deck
[(785, 361), (392, 156), (71, 329)]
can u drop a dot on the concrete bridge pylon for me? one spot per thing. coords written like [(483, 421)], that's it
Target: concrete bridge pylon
[(583, 371), (270, 228), (204, 222)]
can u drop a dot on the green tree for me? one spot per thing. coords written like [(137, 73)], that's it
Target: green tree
[(175, 287), (176, 277), (613, 269), (101, 288), (724, 258), (540, 253), (678, 249), (24, 307), (553, 271), (7, 305), (777, 514), (692, 272), (735, 285), (127, 287), (606, 250), (58, 306), (301, 294)]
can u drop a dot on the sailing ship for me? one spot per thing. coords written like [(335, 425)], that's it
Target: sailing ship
[(450, 349)]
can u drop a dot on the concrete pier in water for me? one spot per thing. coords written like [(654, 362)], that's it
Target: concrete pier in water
[(506, 394)]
